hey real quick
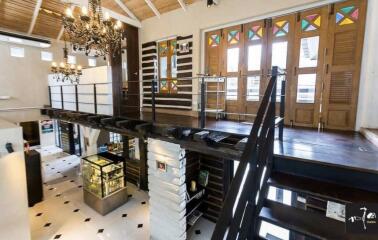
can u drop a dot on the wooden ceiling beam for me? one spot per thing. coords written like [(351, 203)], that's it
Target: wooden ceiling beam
[(35, 16), (153, 8), (126, 9), (182, 4), (112, 14)]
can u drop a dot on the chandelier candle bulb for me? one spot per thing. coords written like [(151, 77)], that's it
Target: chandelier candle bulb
[(69, 13), (84, 11), (107, 16)]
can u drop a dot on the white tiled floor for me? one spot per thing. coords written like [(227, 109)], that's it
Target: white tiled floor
[(64, 215)]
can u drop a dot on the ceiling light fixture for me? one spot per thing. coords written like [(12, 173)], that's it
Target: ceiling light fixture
[(94, 33), (66, 71), (212, 2)]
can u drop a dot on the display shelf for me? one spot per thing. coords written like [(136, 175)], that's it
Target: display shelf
[(198, 194), (104, 181)]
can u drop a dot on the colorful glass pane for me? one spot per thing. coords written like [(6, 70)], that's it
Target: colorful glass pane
[(280, 33), (312, 17), (280, 23), (339, 17), (317, 21), (355, 14), (346, 21), (163, 85), (233, 37), (304, 24), (286, 27), (163, 48), (251, 34), (260, 32), (310, 28), (214, 40), (255, 33), (174, 85), (281, 28), (347, 10), (173, 46), (275, 29)]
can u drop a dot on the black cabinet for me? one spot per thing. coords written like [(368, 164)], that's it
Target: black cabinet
[(33, 177)]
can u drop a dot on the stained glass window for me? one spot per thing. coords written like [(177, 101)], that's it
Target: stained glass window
[(255, 33), (281, 28), (173, 86), (233, 37), (214, 40), (163, 85), (163, 48), (347, 15), (311, 22)]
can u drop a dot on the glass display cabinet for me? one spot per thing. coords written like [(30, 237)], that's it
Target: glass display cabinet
[(103, 182)]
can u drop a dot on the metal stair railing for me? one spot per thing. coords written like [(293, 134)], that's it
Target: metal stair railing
[(239, 217)]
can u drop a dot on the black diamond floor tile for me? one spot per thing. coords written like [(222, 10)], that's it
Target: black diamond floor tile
[(140, 225), (100, 231), (38, 214), (198, 232), (57, 236), (47, 225)]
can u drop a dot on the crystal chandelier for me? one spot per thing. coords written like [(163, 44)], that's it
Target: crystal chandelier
[(92, 32), (65, 71)]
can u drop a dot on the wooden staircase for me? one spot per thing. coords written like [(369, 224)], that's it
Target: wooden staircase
[(305, 215)]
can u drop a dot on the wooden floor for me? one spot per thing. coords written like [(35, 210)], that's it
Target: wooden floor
[(338, 148)]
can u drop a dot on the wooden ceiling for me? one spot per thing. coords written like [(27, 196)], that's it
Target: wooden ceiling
[(43, 17)]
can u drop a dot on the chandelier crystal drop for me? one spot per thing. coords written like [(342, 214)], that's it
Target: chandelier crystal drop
[(94, 33), (66, 72)]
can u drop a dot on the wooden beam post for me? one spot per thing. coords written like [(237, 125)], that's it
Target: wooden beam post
[(126, 9), (182, 4), (153, 8), (35, 16)]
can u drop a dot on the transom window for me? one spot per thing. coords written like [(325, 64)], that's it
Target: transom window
[(347, 15)]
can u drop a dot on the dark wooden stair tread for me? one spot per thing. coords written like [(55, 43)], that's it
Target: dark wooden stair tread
[(308, 223), (320, 188)]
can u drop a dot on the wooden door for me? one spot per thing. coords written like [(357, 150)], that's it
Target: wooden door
[(279, 53), (233, 55), (308, 59), (254, 67), (343, 64), (215, 89)]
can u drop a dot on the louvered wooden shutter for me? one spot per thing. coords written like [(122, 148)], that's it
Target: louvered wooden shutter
[(342, 74)]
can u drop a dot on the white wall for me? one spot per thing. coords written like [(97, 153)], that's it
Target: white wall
[(25, 79), (14, 217), (367, 114)]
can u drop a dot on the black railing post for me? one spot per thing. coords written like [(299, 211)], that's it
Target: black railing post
[(50, 100), (95, 98), (282, 108), (76, 99), (203, 103), (153, 107), (61, 96)]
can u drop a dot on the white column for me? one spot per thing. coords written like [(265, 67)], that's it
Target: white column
[(167, 190)]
